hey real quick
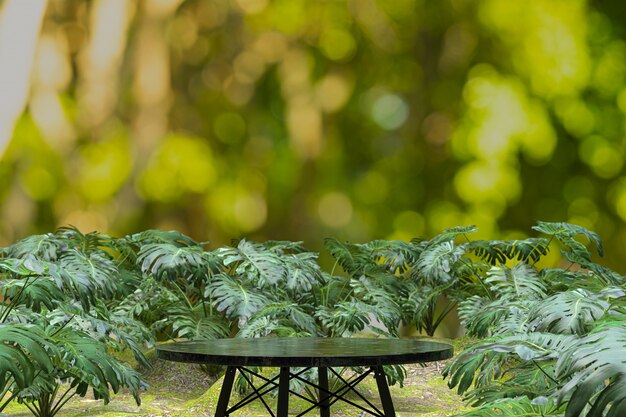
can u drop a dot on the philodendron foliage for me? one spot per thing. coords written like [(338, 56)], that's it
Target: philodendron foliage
[(551, 341), (59, 322), (548, 341)]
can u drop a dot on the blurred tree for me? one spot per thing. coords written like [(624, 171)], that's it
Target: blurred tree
[(19, 30), (290, 119)]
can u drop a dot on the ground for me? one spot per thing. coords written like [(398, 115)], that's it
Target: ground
[(184, 390)]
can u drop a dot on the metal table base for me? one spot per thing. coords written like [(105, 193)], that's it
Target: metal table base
[(294, 355), (326, 397)]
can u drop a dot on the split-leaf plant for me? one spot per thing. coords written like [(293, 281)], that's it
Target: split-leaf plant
[(417, 283), (249, 289), (551, 341), (57, 329)]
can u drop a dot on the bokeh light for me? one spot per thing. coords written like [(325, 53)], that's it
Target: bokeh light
[(289, 119), (335, 209)]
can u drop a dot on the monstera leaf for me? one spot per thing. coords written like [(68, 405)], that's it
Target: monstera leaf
[(235, 299), (87, 276), (85, 364), (296, 316), (265, 326), (28, 266), (420, 303), (47, 247), (33, 292), (88, 364), (396, 256), (24, 350), (521, 281), (514, 291), (353, 258), (479, 315), (449, 235), (384, 304), (191, 322), (484, 362), (533, 382), (167, 261), (148, 302), (283, 247), (116, 330), (517, 407), (273, 264), (565, 233), (595, 371), (303, 272), (437, 261), (497, 252), (86, 243), (255, 263), (570, 312), (152, 236), (345, 318)]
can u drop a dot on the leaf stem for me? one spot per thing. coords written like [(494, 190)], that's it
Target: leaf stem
[(34, 409), (60, 403), (544, 372), (14, 300), (449, 307), (332, 271), (63, 326), (482, 283), (204, 306), (4, 392), (184, 294)]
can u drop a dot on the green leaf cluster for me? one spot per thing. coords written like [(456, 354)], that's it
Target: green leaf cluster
[(550, 341), (58, 321)]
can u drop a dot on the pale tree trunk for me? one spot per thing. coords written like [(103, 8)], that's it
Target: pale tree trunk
[(20, 24), (151, 83), (101, 59)]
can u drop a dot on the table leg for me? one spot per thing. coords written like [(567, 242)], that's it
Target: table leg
[(322, 373), (283, 393), (383, 391), (227, 387)]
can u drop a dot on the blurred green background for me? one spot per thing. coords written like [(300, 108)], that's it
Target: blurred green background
[(294, 119)]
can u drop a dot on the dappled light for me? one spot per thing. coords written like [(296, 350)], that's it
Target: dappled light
[(295, 120), (383, 170)]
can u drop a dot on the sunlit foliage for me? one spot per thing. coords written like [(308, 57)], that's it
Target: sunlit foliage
[(293, 119)]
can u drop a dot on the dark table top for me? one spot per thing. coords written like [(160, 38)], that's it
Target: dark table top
[(305, 351)]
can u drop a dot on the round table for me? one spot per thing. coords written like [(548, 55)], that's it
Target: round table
[(305, 352)]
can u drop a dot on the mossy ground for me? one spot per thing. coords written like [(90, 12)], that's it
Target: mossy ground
[(183, 390)]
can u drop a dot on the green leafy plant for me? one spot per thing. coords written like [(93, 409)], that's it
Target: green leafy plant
[(58, 331), (422, 281), (551, 339)]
